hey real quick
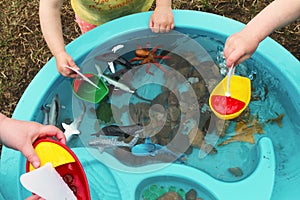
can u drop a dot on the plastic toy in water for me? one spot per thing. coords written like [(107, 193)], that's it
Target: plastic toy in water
[(113, 58), (83, 77), (72, 129), (65, 163), (229, 102), (111, 64), (52, 111), (147, 56), (121, 131), (103, 142), (88, 92), (119, 85), (150, 149)]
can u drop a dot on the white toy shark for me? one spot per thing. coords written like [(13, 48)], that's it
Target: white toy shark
[(119, 85), (103, 142), (72, 129), (110, 81), (111, 64)]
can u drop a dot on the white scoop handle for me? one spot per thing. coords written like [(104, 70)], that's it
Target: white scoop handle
[(229, 75)]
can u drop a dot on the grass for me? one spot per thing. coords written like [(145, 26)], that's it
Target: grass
[(24, 52)]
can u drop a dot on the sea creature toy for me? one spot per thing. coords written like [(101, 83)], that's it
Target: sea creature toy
[(149, 56), (151, 149), (72, 129), (114, 130), (52, 111), (117, 47), (114, 50), (103, 142), (246, 129), (118, 85), (46, 111), (110, 81), (113, 57)]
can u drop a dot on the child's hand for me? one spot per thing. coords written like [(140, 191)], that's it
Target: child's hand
[(162, 19), (239, 47), (20, 135), (64, 59), (32, 132)]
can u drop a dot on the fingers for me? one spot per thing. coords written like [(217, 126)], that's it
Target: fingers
[(235, 57), (52, 131), (30, 155), (243, 58), (63, 60), (34, 197), (161, 28), (43, 132), (230, 57), (229, 48), (67, 72), (239, 47)]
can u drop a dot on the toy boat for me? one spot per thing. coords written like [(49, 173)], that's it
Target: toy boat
[(65, 163), (230, 107)]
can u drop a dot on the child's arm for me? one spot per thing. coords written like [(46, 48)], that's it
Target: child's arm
[(240, 46), (162, 19), (50, 20)]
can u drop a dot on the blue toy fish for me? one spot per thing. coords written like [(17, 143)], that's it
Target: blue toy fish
[(151, 149)]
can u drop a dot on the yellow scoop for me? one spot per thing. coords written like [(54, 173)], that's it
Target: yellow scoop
[(228, 102)]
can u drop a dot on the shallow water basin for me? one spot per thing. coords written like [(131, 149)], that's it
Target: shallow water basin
[(252, 157)]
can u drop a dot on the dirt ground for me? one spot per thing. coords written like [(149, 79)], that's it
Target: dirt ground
[(24, 52)]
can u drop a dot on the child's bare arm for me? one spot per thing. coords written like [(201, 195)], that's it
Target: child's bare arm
[(50, 20), (240, 46)]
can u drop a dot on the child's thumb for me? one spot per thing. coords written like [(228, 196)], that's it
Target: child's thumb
[(31, 156)]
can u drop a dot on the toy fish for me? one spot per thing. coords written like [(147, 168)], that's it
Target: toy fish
[(72, 129), (112, 57), (110, 81), (125, 131), (118, 85), (117, 47), (151, 149), (103, 142), (52, 111), (111, 64), (46, 111)]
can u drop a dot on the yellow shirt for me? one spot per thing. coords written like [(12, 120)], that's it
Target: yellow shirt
[(98, 12)]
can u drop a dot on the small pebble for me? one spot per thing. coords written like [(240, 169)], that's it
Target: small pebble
[(236, 171)]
